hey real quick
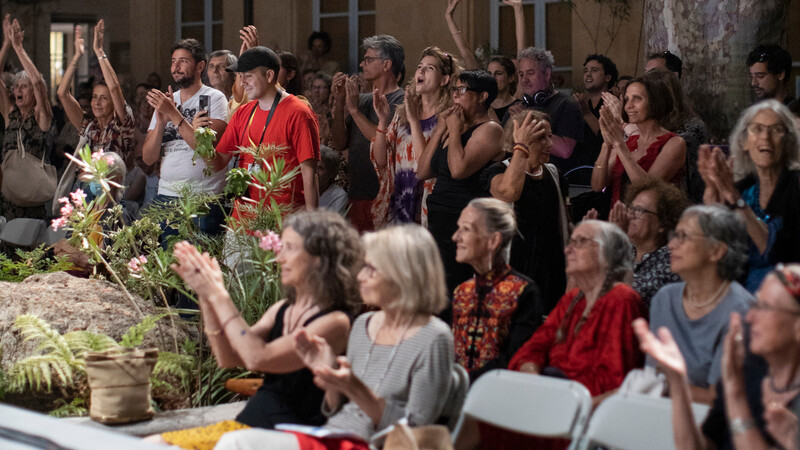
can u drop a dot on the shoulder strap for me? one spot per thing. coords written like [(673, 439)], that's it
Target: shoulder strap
[(266, 124), (562, 210)]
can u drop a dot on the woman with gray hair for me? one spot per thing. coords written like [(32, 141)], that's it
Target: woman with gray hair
[(763, 186), (588, 336), (498, 300), (708, 249)]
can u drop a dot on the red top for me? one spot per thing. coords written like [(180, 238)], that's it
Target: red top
[(645, 162), (293, 125), (605, 348)]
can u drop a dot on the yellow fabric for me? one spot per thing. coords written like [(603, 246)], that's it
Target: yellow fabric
[(202, 438)]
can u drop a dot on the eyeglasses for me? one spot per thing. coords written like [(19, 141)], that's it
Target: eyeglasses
[(681, 236), (371, 271), (765, 307), (369, 59), (460, 90), (637, 212), (579, 241), (774, 130)]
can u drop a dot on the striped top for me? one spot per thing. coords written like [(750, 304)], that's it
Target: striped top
[(415, 386)]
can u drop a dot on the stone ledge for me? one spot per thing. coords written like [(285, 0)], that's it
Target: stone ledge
[(170, 420)]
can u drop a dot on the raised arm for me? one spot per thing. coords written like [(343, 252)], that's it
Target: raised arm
[(338, 125), (463, 47), (5, 106), (483, 146), (380, 146), (44, 113), (424, 171), (110, 77), (519, 22), (508, 186), (71, 106)]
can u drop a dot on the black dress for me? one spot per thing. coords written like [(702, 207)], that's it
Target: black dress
[(285, 397), (445, 203), (538, 249)]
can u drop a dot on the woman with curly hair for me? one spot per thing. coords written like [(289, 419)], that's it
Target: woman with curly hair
[(320, 256), (399, 144)]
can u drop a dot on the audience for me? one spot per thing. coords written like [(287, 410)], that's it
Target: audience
[(331, 196), (599, 75), (319, 45), (504, 72), (654, 152), (399, 359), (498, 309), (289, 75), (770, 69), (400, 140), (537, 192), (763, 186), (664, 61), (708, 250), (219, 78), (463, 144), (320, 97), (320, 256)]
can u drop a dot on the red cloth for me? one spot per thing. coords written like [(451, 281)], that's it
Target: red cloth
[(604, 350), (360, 215), (307, 442), (293, 125), (645, 162)]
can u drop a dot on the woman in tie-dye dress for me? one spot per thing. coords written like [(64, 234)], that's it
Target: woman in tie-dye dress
[(399, 143)]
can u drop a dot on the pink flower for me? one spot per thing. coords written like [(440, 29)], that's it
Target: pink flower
[(135, 264), (271, 241), (63, 200), (78, 197), (97, 155), (110, 160), (143, 259), (66, 210), (61, 222)]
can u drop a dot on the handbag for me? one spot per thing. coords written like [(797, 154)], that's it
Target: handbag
[(119, 380), (27, 180)]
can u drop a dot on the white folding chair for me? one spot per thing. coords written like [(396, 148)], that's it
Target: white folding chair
[(528, 404), (22, 232), (633, 421)]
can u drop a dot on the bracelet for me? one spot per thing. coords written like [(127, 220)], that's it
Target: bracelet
[(183, 119), (102, 57), (740, 426), (520, 144), (213, 333), (378, 130), (597, 166), (521, 148), (457, 32), (224, 324)]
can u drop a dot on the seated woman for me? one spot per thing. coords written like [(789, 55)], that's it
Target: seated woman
[(498, 310), (532, 184), (655, 151), (463, 144), (708, 251), (763, 187), (319, 258), (760, 373), (651, 210), (399, 359)]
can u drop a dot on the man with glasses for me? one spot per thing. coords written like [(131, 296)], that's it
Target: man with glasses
[(770, 67), (665, 60), (382, 63)]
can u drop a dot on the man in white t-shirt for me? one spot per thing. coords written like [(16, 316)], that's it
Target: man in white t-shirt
[(171, 133)]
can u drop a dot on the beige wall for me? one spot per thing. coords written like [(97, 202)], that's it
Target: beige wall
[(627, 50)]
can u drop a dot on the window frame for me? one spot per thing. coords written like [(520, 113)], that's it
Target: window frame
[(352, 14)]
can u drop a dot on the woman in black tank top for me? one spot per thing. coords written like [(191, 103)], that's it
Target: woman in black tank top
[(320, 255), (464, 143)]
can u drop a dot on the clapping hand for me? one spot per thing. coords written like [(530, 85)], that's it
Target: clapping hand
[(619, 215), (591, 214), (313, 350), (529, 132), (582, 101), (199, 271), (351, 94), (381, 107), (162, 103), (611, 127), (733, 353), (17, 34), (338, 379), (249, 37), (99, 32), (662, 348), (412, 103), (79, 42)]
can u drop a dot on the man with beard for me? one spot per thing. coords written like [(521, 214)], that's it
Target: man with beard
[(218, 77), (170, 136), (770, 66)]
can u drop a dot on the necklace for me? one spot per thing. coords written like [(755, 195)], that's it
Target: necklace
[(789, 387), (691, 301), (391, 355), (289, 326), (537, 173)]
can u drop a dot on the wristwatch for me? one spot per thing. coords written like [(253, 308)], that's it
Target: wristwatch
[(738, 204), (740, 426)]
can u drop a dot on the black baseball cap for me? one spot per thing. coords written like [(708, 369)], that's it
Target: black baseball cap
[(253, 57)]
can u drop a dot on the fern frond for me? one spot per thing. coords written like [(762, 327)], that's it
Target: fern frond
[(175, 364), (135, 335), (33, 327), (77, 407), (37, 370), (86, 341)]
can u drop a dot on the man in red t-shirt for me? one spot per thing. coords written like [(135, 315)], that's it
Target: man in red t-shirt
[(293, 125)]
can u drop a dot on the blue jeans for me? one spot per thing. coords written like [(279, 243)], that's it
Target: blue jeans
[(211, 223)]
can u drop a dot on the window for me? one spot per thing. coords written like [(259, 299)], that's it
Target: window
[(548, 24), (199, 19), (793, 31), (348, 22), (62, 49)]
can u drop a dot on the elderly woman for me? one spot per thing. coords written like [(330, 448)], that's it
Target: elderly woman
[(401, 139), (28, 120), (760, 375), (708, 250), (319, 258), (648, 216), (532, 184), (399, 359), (655, 151), (463, 144), (113, 124), (498, 310), (763, 187)]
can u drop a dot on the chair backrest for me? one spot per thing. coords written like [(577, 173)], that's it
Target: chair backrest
[(456, 397), (611, 424), (528, 404), (22, 232)]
